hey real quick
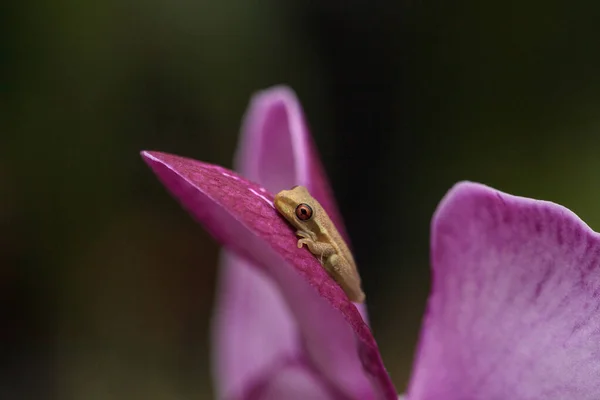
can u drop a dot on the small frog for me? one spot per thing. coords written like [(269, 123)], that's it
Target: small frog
[(318, 233)]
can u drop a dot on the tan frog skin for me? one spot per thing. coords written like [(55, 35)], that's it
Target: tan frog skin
[(319, 234)]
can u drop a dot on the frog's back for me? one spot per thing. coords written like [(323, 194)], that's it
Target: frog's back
[(330, 234)]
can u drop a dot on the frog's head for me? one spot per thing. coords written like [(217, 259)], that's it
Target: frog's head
[(297, 206)]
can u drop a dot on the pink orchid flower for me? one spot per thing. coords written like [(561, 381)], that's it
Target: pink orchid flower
[(513, 312)]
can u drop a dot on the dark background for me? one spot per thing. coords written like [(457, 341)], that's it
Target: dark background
[(106, 284)]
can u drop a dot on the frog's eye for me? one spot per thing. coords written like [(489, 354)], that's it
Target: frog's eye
[(304, 212)]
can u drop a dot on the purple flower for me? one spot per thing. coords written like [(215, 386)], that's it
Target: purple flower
[(513, 312)]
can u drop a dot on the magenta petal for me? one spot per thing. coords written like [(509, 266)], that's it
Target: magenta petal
[(295, 383), (253, 328), (514, 309), (277, 150), (240, 215)]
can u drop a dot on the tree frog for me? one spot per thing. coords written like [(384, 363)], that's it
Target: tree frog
[(317, 232)]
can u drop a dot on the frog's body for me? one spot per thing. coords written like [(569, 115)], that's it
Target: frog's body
[(320, 235)]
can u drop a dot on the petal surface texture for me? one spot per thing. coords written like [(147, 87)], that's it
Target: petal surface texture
[(514, 308), (338, 351)]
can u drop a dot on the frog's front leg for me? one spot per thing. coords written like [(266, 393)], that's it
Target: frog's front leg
[(306, 235), (320, 249)]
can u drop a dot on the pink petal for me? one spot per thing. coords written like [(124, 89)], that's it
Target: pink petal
[(253, 328), (294, 383), (240, 215), (514, 309), (293, 379), (277, 150)]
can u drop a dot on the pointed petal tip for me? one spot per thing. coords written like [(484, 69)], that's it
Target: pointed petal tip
[(276, 93), (273, 145), (157, 161), (265, 101), (145, 154), (149, 156)]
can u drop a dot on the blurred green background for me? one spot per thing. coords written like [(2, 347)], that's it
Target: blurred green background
[(106, 284)]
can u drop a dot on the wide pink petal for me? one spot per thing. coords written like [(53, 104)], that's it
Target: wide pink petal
[(514, 309), (241, 216)]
